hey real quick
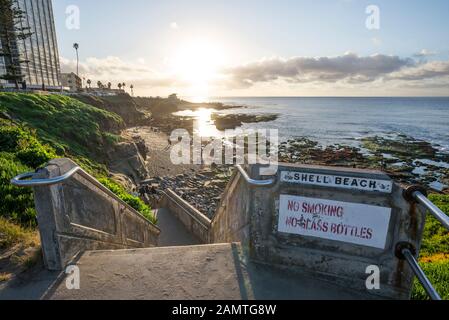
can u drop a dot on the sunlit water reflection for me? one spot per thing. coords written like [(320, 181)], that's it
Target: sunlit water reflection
[(204, 126)]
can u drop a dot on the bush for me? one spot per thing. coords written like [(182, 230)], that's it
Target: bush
[(25, 145), (133, 201), (16, 204)]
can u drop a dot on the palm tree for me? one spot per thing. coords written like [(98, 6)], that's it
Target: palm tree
[(99, 84), (76, 47), (89, 82), (119, 86), (132, 90), (109, 85), (123, 86)]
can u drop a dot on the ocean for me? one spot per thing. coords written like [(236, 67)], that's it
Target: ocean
[(347, 120)]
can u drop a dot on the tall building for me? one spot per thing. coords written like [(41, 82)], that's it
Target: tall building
[(41, 49)]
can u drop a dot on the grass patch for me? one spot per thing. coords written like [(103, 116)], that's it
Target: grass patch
[(438, 273), (67, 124), (12, 234), (434, 258), (48, 127)]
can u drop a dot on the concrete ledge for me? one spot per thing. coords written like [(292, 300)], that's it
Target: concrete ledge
[(232, 220), (196, 222)]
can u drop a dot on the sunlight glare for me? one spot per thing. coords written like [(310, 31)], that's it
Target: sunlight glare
[(197, 63)]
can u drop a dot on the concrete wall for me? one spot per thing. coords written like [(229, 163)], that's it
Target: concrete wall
[(197, 223), (251, 215), (79, 215), (232, 220)]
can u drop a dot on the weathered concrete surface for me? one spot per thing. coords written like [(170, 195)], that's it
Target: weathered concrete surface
[(79, 215), (207, 272), (196, 222), (232, 220), (173, 232)]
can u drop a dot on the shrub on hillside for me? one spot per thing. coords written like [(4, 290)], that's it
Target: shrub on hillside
[(133, 201), (24, 144), (16, 204)]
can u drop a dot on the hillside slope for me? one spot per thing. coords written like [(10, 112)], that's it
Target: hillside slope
[(35, 129)]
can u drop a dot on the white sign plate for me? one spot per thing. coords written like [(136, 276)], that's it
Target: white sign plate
[(354, 223), (337, 181)]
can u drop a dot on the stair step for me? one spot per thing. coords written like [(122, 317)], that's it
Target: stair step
[(189, 273), (173, 232)]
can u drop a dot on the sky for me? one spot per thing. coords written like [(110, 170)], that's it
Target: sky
[(199, 48)]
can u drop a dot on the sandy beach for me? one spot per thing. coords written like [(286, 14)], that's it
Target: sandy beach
[(158, 162)]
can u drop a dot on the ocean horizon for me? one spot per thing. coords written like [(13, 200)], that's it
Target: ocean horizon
[(346, 120)]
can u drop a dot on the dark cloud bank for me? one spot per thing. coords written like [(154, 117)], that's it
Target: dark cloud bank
[(350, 68)]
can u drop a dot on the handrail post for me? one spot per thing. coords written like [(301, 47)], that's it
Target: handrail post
[(418, 195), (406, 251), (433, 294)]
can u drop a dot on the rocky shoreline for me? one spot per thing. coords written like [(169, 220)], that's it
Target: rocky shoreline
[(203, 189), (405, 159)]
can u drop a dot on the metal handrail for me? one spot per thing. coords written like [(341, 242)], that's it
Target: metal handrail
[(410, 258), (433, 209), (253, 182), (415, 193), (20, 181)]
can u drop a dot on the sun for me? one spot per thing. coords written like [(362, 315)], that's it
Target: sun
[(196, 63)]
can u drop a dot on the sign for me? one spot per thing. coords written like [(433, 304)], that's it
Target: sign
[(337, 181), (355, 223)]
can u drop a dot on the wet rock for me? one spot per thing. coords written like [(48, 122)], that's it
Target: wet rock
[(397, 157), (232, 121), (402, 147)]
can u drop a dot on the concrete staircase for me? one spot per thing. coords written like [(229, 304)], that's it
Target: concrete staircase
[(173, 232), (240, 254)]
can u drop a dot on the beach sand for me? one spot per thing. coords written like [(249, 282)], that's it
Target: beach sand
[(158, 161)]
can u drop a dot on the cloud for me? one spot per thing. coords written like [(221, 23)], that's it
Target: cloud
[(174, 25), (344, 72), (376, 41), (350, 68), (424, 53), (115, 70), (428, 70)]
